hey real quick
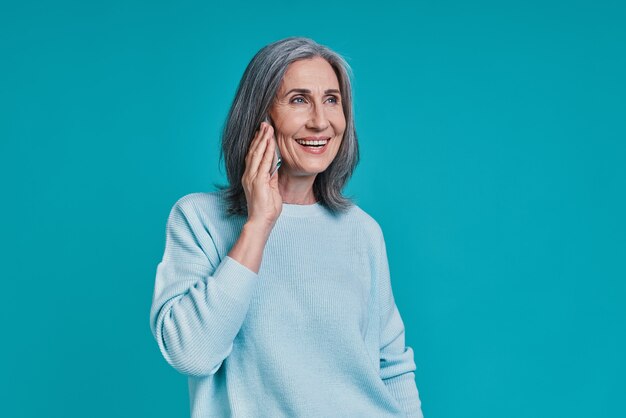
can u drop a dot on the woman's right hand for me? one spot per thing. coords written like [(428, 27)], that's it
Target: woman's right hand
[(262, 194)]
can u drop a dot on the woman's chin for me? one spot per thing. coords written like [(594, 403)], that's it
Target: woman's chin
[(308, 171)]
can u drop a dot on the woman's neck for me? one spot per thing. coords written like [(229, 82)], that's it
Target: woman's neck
[(297, 190)]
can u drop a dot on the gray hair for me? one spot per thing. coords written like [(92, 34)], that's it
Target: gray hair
[(255, 94)]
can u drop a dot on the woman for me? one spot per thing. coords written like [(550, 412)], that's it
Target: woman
[(274, 294)]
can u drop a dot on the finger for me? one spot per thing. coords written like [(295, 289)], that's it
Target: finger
[(274, 180), (255, 154), (255, 142), (268, 157), (258, 154)]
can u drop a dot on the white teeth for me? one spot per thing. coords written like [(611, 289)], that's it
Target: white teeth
[(305, 142)]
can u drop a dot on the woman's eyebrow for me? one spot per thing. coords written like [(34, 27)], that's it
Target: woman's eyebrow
[(307, 91)]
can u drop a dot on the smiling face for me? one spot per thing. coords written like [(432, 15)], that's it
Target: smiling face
[(308, 117)]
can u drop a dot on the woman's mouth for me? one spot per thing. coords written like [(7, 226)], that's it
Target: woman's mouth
[(314, 146)]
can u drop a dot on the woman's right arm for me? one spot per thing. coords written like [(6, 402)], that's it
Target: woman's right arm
[(198, 308)]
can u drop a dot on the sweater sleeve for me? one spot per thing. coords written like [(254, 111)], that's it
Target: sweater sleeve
[(397, 366), (199, 301)]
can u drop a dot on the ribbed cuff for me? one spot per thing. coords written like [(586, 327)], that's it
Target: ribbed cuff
[(404, 389)]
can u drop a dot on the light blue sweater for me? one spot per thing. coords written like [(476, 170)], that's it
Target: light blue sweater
[(315, 333)]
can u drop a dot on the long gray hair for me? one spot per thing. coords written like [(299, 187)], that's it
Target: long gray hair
[(255, 94)]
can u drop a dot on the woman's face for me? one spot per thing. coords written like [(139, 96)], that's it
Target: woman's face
[(308, 107)]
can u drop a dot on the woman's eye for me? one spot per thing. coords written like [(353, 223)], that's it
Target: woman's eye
[(300, 100)]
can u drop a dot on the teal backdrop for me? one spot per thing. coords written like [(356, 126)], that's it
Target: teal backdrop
[(493, 156)]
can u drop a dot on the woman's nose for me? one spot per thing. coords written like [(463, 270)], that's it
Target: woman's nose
[(317, 118)]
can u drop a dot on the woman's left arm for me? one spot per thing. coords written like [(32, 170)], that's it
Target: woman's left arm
[(397, 365)]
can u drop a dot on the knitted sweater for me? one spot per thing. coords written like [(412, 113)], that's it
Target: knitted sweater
[(315, 333)]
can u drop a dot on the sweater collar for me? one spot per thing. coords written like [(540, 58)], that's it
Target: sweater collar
[(302, 211)]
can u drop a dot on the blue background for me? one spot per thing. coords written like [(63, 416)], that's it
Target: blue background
[(493, 156)]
